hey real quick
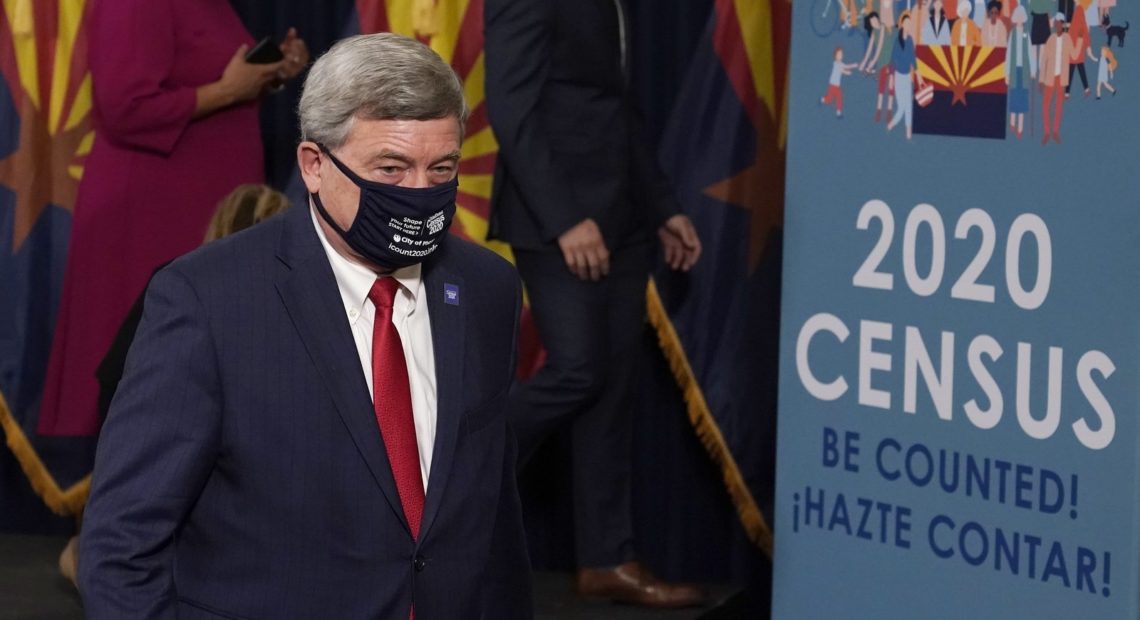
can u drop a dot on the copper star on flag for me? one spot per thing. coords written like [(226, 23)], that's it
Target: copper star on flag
[(749, 59), (50, 89)]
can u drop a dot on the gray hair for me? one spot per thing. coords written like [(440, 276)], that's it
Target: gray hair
[(381, 76)]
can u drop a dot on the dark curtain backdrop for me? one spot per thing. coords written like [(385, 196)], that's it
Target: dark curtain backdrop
[(320, 23)]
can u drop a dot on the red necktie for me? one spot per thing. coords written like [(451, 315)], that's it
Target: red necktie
[(392, 400)]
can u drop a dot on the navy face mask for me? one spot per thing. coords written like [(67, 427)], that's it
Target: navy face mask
[(395, 226)]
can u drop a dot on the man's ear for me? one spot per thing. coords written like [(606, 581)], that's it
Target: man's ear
[(309, 161)]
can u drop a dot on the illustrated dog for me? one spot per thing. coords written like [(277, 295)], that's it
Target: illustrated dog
[(1114, 31)]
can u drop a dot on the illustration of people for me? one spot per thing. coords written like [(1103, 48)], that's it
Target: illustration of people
[(1020, 70), (1039, 11), (1007, 7), (994, 31), (1105, 69), (964, 32), (834, 90), (1079, 33), (873, 25), (886, 14), (935, 26), (980, 12), (920, 14), (847, 14), (1066, 8), (1104, 7), (906, 69), (951, 11), (1057, 54), (1091, 9), (877, 61)]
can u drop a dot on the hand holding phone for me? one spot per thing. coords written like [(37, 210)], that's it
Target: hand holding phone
[(266, 52), (243, 80)]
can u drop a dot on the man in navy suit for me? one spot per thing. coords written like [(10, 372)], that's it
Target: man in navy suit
[(312, 419), (579, 196)]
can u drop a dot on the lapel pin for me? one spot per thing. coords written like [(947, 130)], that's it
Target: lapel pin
[(451, 294)]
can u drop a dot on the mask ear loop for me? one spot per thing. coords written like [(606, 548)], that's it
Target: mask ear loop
[(358, 180), (362, 183), (317, 198)]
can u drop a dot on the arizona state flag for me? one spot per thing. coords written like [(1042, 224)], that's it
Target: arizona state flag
[(45, 134), (724, 152), (454, 29), (969, 91)]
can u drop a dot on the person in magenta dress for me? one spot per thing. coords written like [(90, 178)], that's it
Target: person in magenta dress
[(176, 129)]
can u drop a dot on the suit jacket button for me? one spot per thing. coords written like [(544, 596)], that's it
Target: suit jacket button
[(419, 563)]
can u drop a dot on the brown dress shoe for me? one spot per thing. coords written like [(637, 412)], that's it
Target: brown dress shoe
[(633, 584)]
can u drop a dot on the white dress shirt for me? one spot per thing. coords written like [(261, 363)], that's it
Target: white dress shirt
[(1057, 63), (410, 314)]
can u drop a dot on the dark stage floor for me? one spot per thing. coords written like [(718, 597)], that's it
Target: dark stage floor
[(32, 589)]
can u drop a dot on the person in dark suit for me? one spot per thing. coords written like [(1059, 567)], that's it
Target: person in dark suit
[(579, 197), (247, 205), (312, 422)]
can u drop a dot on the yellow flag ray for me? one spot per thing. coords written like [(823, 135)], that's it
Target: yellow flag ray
[(756, 31), (481, 142), (940, 55), (70, 18), (400, 16), (22, 19), (476, 184), (979, 57), (474, 82), (81, 107), (446, 27), (997, 73), (930, 75)]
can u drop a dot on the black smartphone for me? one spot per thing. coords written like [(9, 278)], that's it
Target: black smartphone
[(266, 52)]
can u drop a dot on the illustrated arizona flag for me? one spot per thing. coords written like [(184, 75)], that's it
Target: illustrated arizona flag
[(454, 29), (969, 97)]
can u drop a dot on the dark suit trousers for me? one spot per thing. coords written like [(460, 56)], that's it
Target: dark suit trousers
[(592, 334)]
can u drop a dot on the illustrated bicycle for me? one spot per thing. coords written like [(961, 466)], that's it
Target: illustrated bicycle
[(827, 16)]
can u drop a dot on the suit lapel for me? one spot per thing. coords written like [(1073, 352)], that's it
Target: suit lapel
[(447, 335), (310, 294)]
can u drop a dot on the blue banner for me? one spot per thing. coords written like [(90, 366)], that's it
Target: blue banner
[(959, 335)]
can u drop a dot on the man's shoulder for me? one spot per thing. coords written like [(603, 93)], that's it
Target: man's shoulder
[(235, 258)]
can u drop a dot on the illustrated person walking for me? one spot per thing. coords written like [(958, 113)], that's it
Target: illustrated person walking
[(1057, 54), (1106, 68), (906, 70), (1081, 38), (834, 89), (877, 61), (1020, 71)]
